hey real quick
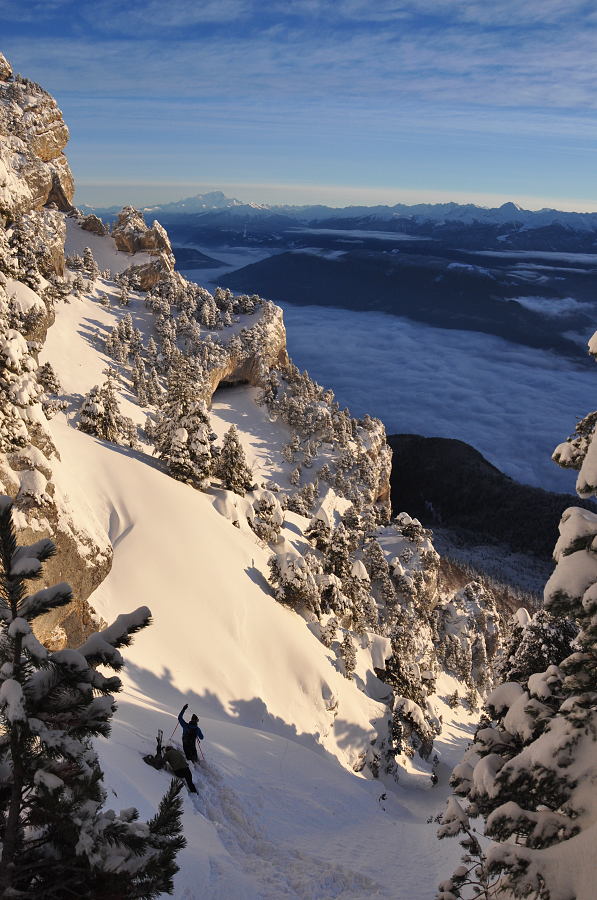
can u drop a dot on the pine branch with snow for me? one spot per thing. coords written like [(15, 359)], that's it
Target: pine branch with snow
[(57, 840)]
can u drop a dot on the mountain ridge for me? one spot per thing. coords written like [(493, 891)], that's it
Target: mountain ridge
[(420, 213)]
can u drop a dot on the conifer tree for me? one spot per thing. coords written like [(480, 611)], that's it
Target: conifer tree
[(318, 533), (531, 772), (337, 558), (100, 416), (348, 654), (19, 388), (48, 379), (90, 266), (231, 466), (25, 260), (57, 840), (295, 580), (182, 433), (268, 518), (543, 641)]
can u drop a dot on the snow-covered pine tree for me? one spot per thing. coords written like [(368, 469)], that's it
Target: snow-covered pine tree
[(357, 588), (295, 581), (231, 465), (182, 434), (112, 425), (268, 517), (152, 352), (349, 656), (25, 260), (19, 388), (57, 840), (531, 772), (545, 640), (7, 262), (153, 387), (318, 534), (100, 416), (91, 412), (375, 561), (48, 379), (90, 266), (337, 557), (329, 631), (78, 285)]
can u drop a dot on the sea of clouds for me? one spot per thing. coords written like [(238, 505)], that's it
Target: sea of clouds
[(513, 403)]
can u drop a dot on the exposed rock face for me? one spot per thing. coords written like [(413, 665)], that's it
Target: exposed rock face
[(5, 69), (33, 168), (82, 559), (150, 273), (93, 224), (271, 352), (132, 235)]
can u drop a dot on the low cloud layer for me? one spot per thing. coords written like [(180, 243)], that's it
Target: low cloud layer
[(513, 403)]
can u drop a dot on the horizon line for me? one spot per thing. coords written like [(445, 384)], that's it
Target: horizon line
[(323, 195)]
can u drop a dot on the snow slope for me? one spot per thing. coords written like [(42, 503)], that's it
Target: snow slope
[(103, 247), (280, 812)]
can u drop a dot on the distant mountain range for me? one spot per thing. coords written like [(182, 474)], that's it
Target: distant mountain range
[(216, 209)]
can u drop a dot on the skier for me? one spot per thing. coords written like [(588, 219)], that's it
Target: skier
[(191, 733), (179, 766)]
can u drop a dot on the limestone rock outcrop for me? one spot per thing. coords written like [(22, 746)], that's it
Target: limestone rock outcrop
[(5, 68), (33, 169), (132, 235), (248, 368), (93, 224)]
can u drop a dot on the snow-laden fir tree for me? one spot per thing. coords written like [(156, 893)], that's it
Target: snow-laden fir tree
[(100, 416), (267, 518), (541, 641), (337, 557), (318, 533), (531, 772), (348, 654), (357, 588), (182, 434), (90, 267), (295, 580), (20, 391), (48, 379), (57, 839), (231, 465), (21, 247)]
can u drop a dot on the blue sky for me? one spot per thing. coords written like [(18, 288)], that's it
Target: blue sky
[(333, 100)]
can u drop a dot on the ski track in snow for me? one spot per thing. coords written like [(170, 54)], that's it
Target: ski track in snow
[(279, 870)]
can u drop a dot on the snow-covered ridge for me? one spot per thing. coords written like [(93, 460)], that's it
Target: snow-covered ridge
[(438, 213)]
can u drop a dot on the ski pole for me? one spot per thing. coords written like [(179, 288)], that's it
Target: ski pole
[(172, 735), (202, 753)]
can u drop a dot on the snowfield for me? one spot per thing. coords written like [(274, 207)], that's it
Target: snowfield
[(280, 811)]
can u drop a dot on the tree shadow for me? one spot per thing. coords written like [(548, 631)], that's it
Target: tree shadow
[(259, 579), (251, 713)]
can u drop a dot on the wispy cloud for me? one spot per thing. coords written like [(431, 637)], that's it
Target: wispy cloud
[(406, 76)]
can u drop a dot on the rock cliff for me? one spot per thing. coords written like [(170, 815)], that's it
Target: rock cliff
[(34, 171), (132, 235)]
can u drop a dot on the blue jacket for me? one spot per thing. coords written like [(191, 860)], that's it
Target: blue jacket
[(189, 732)]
